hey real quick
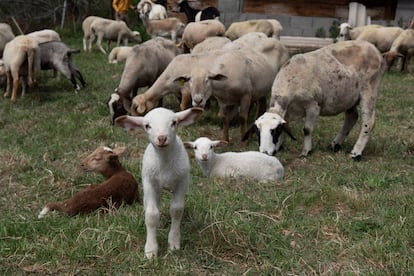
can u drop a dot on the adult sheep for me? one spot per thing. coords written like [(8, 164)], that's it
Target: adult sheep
[(112, 30), (86, 28), (381, 37), (155, 11), (196, 32), (6, 34), (325, 82), (403, 46), (238, 29), (45, 35), (22, 54), (157, 52)]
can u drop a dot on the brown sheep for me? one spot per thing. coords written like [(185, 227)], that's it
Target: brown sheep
[(120, 186)]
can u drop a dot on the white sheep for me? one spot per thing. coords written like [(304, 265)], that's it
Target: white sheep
[(112, 30), (238, 29), (86, 28), (196, 32), (165, 165), (403, 46), (210, 44), (250, 164), (155, 11), (119, 54), (331, 80), (382, 37), (45, 35), (21, 57)]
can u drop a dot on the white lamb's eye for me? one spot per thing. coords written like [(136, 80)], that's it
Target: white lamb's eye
[(195, 147), (211, 146), (147, 126), (174, 123)]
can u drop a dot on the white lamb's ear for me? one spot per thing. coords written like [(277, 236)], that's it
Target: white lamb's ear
[(218, 143), (189, 116), (130, 122), (188, 145)]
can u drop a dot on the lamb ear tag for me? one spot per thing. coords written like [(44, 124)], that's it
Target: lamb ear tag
[(182, 81)]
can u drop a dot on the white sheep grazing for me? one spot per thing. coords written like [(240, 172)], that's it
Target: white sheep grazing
[(382, 37), (165, 165), (21, 56), (119, 54), (112, 30), (331, 80), (86, 28), (250, 164), (403, 46), (45, 35), (155, 11)]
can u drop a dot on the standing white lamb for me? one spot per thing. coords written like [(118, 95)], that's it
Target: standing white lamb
[(165, 165), (250, 164)]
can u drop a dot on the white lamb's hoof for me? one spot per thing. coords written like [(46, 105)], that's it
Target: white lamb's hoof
[(151, 255)]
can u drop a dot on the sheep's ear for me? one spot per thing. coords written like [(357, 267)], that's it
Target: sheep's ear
[(130, 122), (287, 129), (218, 77), (246, 136), (188, 145), (119, 150), (189, 116), (183, 79), (219, 143)]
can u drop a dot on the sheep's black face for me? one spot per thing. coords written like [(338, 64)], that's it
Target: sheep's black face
[(276, 132), (116, 108)]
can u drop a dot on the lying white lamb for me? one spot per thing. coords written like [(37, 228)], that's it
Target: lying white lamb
[(250, 164)]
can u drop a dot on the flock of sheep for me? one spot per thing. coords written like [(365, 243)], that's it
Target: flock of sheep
[(239, 67)]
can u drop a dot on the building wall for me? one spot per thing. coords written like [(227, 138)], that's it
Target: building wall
[(231, 11)]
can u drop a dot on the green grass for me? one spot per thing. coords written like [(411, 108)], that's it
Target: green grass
[(330, 215)]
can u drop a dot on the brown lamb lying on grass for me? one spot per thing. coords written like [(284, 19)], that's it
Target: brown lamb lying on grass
[(119, 186)]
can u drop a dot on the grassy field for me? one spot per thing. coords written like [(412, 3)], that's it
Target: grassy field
[(330, 215)]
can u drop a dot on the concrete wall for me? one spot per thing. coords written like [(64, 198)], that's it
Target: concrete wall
[(306, 26)]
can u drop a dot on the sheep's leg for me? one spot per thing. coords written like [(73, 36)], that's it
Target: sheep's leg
[(244, 113), (176, 212), (312, 114), (8, 83), (15, 86), (367, 120), (99, 43), (85, 43), (351, 117), (152, 219)]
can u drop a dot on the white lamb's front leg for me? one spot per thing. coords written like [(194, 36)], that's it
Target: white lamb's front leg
[(152, 219), (176, 212)]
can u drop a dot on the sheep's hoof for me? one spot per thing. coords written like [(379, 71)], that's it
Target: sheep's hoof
[(335, 147), (304, 155), (357, 157), (151, 255)]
